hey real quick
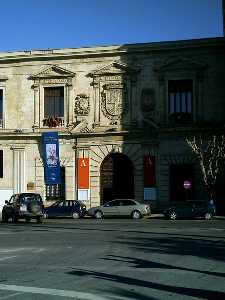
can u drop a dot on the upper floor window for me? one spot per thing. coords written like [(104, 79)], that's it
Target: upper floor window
[(180, 95), (180, 101), (53, 106)]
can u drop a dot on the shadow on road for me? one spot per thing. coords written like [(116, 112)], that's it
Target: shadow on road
[(193, 292)]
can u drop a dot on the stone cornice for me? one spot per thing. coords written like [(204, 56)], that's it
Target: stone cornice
[(16, 56)]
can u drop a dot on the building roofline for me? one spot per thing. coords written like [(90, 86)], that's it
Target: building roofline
[(111, 49)]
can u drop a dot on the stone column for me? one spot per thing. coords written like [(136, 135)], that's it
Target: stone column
[(19, 184), (66, 106), (96, 86), (69, 104), (36, 105), (70, 180)]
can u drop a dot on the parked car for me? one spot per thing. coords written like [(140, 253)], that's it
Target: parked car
[(190, 209), (66, 208), (23, 206), (120, 207)]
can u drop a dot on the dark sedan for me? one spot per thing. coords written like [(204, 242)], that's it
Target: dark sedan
[(190, 209), (65, 208)]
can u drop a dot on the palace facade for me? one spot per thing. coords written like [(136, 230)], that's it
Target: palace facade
[(122, 114)]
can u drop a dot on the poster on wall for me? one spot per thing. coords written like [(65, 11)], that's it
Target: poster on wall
[(50, 142), (150, 194)]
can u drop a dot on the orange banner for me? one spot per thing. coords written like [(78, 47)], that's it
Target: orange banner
[(83, 173)]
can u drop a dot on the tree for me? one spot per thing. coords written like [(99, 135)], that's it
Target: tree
[(211, 155)]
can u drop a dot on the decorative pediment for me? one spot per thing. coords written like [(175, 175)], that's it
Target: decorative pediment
[(180, 63), (114, 68), (53, 71)]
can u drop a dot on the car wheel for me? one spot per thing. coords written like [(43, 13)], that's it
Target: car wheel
[(173, 215), (136, 214), (27, 219), (98, 214), (208, 216), (39, 220), (75, 215)]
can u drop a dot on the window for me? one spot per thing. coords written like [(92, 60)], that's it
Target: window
[(1, 107), (127, 202), (1, 163), (112, 203), (180, 96), (53, 106)]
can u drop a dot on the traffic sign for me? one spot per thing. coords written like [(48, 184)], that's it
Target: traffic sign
[(187, 184)]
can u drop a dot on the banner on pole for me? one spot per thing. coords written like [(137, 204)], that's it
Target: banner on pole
[(83, 173), (50, 143)]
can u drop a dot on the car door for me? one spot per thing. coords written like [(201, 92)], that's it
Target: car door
[(127, 206), (189, 209), (199, 209), (110, 209), (9, 206), (75, 207), (184, 210), (55, 210), (68, 208)]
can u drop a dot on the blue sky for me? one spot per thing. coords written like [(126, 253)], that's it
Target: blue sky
[(41, 24)]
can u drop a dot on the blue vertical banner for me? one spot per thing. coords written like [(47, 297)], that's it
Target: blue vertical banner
[(50, 142)]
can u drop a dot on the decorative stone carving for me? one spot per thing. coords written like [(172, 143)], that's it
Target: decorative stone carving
[(82, 105), (114, 102), (53, 75), (147, 100), (149, 114)]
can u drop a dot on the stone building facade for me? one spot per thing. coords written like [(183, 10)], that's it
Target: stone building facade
[(121, 112)]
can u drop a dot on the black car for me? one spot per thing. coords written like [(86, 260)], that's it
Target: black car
[(65, 208), (190, 209), (23, 206)]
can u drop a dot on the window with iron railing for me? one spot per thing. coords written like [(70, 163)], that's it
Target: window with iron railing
[(180, 100), (53, 106)]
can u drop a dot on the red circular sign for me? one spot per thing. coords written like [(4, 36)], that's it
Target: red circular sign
[(187, 184)]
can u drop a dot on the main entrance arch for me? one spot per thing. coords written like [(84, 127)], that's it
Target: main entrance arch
[(116, 177)]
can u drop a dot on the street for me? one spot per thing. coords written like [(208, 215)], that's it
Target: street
[(113, 259)]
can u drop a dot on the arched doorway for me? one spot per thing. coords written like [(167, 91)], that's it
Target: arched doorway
[(117, 178)]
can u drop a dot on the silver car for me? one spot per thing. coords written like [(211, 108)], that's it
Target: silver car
[(120, 207)]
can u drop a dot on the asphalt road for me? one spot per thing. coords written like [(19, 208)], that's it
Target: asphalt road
[(113, 259)]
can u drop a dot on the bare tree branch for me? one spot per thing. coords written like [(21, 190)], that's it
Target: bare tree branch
[(210, 153)]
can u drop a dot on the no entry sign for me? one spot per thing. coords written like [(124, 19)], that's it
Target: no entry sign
[(187, 184)]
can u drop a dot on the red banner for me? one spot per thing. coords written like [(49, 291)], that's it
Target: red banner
[(149, 171), (83, 173)]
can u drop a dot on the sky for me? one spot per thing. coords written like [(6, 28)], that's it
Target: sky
[(43, 24)]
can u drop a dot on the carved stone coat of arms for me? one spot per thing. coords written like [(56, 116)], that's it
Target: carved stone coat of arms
[(114, 101)]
